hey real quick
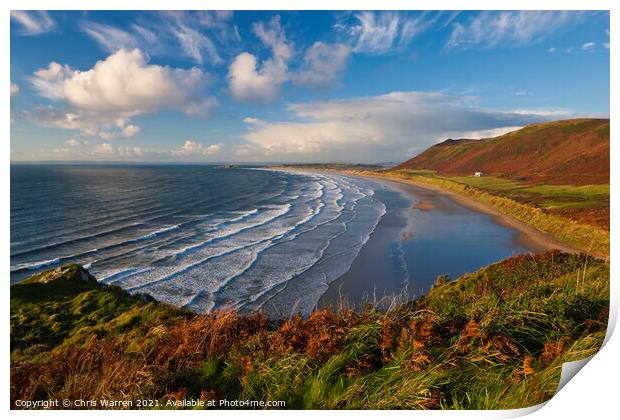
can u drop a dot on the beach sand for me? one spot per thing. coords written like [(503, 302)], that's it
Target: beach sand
[(368, 281), (529, 235), (426, 232)]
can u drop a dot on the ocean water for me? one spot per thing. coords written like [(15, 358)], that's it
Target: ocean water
[(206, 237), (201, 237)]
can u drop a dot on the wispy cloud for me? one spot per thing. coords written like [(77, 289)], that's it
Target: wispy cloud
[(200, 36), (606, 44), (588, 46), (322, 65), (383, 32), (193, 42), (387, 127), (490, 29), (111, 38), (33, 22)]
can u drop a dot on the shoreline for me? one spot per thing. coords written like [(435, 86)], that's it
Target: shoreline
[(528, 234)]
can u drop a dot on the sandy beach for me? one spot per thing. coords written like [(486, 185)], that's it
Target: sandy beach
[(529, 235), (436, 233)]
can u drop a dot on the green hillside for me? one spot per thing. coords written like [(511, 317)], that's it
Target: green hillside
[(572, 152), (492, 339)]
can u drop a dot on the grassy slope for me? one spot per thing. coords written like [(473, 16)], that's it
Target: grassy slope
[(588, 204), (574, 152), (561, 167), (492, 339), (65, 305)]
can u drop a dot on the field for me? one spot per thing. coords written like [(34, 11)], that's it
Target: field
[(492, 339), (534, 205), (587, 204)]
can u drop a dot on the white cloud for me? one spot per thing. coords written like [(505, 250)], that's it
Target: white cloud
[(125, 83), (200, 108), (193, 42), (82, 150), (191, 148), (481, 134), (49, 82), (108, 151), (550, 113), (190, 151), (251, 120), (509, 28), (49, 116), (551, 50), (376, 31), (14, 89), (588, 46), (250, 81), (109, 37), (33, 22), (104, 148), (121, 86), (202, 36), (123, 130), (88, 124), (221, 24), (381, 32), (606, 44), (322, 64), (389, 127), (272, 35), (76, 143)]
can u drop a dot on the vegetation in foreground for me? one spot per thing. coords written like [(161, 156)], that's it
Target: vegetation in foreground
[(492, 339)]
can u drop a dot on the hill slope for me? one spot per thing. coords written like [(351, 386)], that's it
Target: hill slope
[(572, 152), (492, 339)]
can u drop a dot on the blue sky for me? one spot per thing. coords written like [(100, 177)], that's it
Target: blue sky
[(293, 86)]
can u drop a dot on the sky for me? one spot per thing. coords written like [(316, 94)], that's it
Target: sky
[(294, 86)]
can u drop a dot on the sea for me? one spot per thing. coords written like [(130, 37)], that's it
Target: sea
[(210, 237)]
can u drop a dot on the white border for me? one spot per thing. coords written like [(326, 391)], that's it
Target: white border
[(591, 394)]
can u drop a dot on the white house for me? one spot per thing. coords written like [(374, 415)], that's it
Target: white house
[(478, 173)]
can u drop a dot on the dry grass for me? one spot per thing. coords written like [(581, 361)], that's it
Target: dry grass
[(492, 339)]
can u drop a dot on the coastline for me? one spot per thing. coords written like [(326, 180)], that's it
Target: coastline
[(528, 235)]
